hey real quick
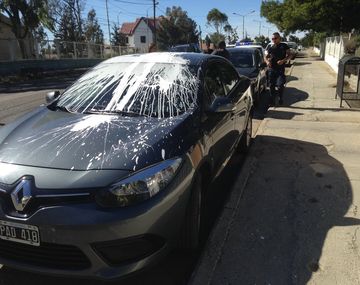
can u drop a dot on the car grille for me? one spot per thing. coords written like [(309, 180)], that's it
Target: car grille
[(46, 255)]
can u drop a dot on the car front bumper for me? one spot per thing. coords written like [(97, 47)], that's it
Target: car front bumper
[(84, 240)]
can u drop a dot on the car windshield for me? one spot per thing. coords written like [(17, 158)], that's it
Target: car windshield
[(134, 88), (242, 60)]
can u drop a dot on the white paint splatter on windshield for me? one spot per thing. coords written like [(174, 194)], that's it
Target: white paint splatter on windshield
[(158, 85)]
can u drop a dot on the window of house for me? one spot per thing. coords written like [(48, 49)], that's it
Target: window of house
[(127, 40), (143, 39)]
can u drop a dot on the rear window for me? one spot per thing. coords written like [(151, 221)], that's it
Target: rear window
[(242, 59)]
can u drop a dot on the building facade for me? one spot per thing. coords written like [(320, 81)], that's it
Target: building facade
[(139, 34)]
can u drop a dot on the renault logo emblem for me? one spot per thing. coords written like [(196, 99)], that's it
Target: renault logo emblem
[(21, 195)]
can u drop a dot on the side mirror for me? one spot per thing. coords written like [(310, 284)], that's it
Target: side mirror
[(222, 105), (52, 96)]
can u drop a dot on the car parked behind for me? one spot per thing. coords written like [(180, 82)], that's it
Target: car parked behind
[(293, 49), (186, 48), (258, 47), (111, 174), (249, 62)]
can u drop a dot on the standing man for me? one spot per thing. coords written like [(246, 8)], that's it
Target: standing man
[(221, 50), (277, 55)]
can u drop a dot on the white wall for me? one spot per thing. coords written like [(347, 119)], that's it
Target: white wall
[(334, 51), (142, 30)]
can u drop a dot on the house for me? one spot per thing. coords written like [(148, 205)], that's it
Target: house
[(139, 34)]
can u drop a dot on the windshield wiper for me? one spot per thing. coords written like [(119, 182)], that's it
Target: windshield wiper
[(63, 108)]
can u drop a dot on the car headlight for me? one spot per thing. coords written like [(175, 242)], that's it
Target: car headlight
[(140, 186)]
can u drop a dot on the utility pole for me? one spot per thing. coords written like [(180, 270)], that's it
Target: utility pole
[(243, 16), (200, 37), (155, 39), (107, 14)]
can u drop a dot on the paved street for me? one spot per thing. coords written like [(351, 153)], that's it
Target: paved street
[(292, 217)]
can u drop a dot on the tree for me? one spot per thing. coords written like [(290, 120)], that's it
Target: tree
[(70, 25), (176, 28), (26, 16), (217, 19), (67, 28), (294, 39), (93, 32), (231, 34), (216, 38), (207, 40), (117, 38), (262, 40), (330, 16)]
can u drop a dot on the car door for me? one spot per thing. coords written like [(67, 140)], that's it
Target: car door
[(237, 89), (219, 126), (259, 60)]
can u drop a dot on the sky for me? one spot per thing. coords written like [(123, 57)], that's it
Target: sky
[(128, 10)]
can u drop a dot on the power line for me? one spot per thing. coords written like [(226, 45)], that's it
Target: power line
[(133, 3)]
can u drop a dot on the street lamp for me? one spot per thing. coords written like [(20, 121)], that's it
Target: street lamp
[(259, 26), (268, 28), (118, 19), (243, 16)]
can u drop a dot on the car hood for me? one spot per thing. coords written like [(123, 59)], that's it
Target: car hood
[(250, 72), (56, 139)]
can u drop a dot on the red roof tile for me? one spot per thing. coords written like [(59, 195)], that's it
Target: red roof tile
[(129, 28)]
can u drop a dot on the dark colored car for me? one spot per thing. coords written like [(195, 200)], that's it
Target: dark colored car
[(249, 62), (104, 180), (186, 48)]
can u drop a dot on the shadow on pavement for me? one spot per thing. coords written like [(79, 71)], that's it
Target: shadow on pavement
[(282, 115), (291, 96), (296, 195), (291, 78)]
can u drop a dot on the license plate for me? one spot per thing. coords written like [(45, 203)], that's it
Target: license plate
[(19, 233)]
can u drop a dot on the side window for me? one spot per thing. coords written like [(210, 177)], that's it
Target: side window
[(213, 82), (244, 84), (229, 77)]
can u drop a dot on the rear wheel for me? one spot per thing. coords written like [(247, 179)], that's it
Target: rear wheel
[(192, 227), (245, 141)]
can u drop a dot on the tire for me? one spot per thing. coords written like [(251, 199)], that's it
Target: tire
[(246, 138), (191, 230)]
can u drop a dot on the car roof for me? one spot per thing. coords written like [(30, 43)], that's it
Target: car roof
[(250, 46), (189, 58)]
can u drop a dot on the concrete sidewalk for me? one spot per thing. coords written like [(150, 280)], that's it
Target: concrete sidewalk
[(292, 217)]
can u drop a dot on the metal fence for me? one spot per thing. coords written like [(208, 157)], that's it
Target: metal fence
[(12, 49)]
